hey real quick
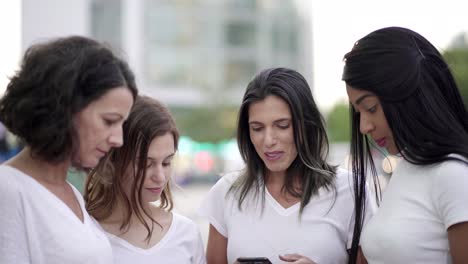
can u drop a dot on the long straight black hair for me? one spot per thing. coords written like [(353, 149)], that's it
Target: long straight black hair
[(420, 100)]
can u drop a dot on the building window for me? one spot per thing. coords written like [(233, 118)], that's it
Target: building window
[(106, 23), (239, 73), (240, 34)]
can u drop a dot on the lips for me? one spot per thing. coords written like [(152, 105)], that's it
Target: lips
[(273, 155), (381, 142), (156, 190), (104, 152)]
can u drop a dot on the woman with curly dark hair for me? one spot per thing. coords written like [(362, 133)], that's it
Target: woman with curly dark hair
[(67, 104)]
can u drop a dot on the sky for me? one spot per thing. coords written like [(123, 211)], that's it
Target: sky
[(10, 46), (337, 24)]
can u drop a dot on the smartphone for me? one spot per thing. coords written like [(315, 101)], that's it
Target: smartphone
[(256, 260)]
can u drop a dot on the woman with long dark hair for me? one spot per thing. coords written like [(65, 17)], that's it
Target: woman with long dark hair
[(288, 200), (404, 99)]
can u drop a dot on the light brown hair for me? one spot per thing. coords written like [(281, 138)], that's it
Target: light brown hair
[(104, 186)]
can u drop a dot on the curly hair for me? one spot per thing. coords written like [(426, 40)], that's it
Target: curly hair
[(104, 187), (56, 80)]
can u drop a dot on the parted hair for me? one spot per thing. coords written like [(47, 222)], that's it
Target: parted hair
[(310, 167), (56, 80), (104, 187)]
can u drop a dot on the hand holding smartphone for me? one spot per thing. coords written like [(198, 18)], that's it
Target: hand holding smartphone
[(256, 260)]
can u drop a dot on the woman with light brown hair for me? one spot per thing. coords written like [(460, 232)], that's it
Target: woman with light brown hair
[(121, 191)]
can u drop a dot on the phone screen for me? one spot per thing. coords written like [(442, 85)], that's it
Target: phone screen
[(256, 260)]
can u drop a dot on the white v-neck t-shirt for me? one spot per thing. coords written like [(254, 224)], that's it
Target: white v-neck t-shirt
[(182, 244), (418, 205), (37, 227), (323, 233)]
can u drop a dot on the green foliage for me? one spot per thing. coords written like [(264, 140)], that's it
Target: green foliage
[(458, 62), (77, 179), (338, 127), (206, 124)]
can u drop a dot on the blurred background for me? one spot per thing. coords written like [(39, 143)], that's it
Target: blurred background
[(197, 56)]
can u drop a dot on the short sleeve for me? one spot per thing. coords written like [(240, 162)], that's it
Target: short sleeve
[(199, 250), (13, 239), (214, 204), (450, 192)]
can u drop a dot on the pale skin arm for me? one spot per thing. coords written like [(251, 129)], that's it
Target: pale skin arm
[(296, 258), (458, 239), (216, 250)]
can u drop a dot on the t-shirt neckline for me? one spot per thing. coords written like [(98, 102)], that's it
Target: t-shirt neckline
[(278, 207), (59, 202), (146, 251)]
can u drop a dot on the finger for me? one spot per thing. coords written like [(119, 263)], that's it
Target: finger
[(290, 257)]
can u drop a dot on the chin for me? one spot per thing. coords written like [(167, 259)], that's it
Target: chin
[(89, 164), (152, 201)]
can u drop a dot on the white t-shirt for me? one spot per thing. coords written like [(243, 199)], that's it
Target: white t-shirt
[(323, 233), (39, 228), (418, 205), (182, 244)]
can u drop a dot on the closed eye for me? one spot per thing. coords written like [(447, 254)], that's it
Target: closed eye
[(283, 124), (149, 164), (372, 109), (109, 122), (168, 160)]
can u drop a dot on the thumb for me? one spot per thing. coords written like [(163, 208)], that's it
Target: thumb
[(289, 257)]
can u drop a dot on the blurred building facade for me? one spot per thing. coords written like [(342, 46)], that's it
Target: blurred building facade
[(185, 52)]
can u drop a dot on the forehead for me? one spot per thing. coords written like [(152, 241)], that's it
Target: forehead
[(161, 146), (119, 99), (356, 96), (270, 108)]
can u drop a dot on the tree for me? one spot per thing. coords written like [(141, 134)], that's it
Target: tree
[(338, 127), (206, 124), (457, 58)]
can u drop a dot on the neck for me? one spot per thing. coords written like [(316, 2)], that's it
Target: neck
[(42, 171), (119, 212), (275, 178)]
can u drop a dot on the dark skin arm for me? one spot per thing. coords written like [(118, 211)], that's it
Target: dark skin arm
[(360, 257), (458, 240)]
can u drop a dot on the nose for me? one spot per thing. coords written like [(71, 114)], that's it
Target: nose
[(366, 125), (157, 174), (116, 137), (270, 138)]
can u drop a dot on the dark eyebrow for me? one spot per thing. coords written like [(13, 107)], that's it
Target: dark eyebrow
[(168, 156), (282, 120), (113, 115), (255, 123), (359, 100), (276, 121)]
